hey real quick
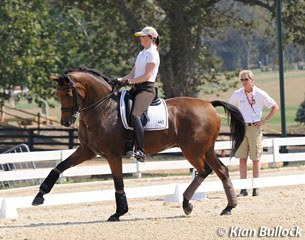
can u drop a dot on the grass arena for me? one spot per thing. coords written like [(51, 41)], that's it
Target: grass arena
[(278, 212)]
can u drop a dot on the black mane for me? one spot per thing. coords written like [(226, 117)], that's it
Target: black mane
[(88, 70)]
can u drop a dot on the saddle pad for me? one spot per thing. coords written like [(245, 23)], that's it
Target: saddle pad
[(157, 115)]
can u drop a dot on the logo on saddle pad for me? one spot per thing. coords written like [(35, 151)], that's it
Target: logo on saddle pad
[(156, 116)]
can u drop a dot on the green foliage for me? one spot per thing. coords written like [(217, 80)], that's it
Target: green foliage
[(42, 37), (300, 116), (33, 46), (294, 21)]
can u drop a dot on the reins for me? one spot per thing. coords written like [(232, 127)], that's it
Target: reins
[(97, 103)]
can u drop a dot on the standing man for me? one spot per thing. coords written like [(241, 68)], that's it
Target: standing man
[(250, 101)]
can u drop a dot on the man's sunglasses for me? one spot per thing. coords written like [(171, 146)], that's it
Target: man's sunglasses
[(244, 79)]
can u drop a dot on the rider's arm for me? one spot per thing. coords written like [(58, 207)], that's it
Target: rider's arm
[(129, 76), (145, 77)]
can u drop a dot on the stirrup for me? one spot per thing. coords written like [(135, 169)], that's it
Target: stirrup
[(130, 154), (139, 155)]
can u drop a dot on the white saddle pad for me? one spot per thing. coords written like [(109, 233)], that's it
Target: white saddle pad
[(157, 115)]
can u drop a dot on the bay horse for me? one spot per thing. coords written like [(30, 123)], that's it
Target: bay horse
[(193, 126)]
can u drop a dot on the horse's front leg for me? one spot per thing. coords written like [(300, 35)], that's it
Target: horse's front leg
[(80, 155), (120, 196)]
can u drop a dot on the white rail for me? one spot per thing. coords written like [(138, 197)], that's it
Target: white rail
[(272, 156), (173, 191)]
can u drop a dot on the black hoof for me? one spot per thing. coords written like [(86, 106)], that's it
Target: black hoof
[(114, 218), (188, 210), (38, 200), (226, 211)]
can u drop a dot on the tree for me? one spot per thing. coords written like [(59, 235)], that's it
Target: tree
[(186, 64), (300, 116), (41, 38), (32, 46), (293, 16)]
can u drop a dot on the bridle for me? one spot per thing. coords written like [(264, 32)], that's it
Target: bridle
[(76, 109)]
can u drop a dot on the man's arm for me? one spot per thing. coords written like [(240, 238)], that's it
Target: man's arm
[(270, 115), (272, 112)]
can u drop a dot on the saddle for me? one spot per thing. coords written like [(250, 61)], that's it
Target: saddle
[(155, 118), (129, 98)]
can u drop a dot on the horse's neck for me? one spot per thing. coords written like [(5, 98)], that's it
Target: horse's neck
[(94, 92), (102, 117)]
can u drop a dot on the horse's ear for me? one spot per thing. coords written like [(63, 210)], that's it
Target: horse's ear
[(55, 78)]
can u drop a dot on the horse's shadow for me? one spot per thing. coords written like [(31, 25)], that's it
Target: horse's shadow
[(36, 225)]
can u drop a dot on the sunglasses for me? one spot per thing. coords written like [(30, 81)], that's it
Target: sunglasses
[(244, 79)]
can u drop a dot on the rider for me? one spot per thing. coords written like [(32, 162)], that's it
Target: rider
[(142, 77)]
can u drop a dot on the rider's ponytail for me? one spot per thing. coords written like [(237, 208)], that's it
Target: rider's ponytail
[(157, 42)]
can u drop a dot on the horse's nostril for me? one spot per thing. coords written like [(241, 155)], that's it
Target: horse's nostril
[(66, 123)]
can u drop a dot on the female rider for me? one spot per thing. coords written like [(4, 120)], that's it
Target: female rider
[(142, 78)]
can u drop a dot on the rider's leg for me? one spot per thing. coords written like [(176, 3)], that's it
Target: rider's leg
[(139, 134), (130, 139), (142, 100)]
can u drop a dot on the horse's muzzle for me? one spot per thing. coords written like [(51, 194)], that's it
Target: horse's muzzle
[(68, 122)]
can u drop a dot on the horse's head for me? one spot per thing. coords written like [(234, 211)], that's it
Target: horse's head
[(81, 90), (68, 97)]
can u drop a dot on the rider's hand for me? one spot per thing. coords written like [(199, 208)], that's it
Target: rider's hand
[(122, 82)]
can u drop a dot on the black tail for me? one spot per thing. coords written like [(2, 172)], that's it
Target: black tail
[(236, 123)]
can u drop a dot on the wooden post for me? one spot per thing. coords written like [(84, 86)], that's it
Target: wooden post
[(1, 112), (71, 138), (31, 139), (38, 122)]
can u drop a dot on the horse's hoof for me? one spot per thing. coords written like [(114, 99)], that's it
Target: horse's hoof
[(38, 200), (114, 218), (226, 211), (188, 210)]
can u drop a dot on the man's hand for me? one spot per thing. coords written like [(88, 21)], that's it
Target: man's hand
[(260, 123)]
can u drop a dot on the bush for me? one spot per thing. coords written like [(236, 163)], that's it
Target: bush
[(300, 117)]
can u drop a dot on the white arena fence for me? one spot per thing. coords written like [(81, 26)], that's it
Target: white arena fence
[(173, 192)]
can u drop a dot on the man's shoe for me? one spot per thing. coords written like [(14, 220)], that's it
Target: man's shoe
[(255, 192), (243, 193), (139, 155)]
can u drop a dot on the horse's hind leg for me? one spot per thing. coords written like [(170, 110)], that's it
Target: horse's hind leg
[(203, 172), (222, 172), (79, 156)]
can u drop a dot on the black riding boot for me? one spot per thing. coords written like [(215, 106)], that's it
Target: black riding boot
[(129, 143), (139, 133)]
